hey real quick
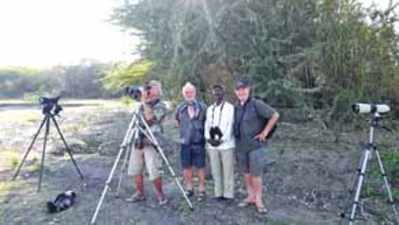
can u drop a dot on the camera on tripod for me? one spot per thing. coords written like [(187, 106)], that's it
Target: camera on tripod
[(50, 109), (50, 105), (136, 92), (370, 108)]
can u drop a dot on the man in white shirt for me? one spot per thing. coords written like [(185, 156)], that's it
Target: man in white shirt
[(221, 144)]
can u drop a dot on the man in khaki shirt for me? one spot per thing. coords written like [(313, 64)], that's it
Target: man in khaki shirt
[(145, 155)]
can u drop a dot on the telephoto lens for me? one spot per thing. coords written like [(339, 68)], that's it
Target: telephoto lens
[(134, 92), (370, 108)]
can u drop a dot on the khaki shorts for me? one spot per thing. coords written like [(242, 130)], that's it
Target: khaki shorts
[(146, 157)]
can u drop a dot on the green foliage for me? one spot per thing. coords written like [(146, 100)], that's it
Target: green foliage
[(32, 97), (76, 81), (313, 53), (374, 187), (14, 79), (391, 162), (18, 71), (123, 75)]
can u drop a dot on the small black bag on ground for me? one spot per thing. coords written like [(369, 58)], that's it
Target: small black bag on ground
[(62, 202)]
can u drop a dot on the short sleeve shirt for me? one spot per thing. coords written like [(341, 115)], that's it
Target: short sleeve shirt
[(250, 119)]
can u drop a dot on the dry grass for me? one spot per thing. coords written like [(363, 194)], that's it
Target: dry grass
[(20, 116), (9, 159), (32, 114), (7, 186), (14, 101)]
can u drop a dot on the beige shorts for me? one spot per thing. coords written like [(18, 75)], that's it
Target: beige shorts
[(147, 157)]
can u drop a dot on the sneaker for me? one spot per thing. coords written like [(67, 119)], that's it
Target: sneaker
[(244, 204), (136, 197), (261, 210)]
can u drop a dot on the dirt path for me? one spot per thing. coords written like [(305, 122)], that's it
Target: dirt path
[(306, 176)]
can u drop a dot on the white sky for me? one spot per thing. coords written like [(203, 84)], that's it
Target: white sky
[(42, 33), (380, 3), (48, 32)]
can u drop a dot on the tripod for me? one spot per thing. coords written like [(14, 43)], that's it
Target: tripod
[(368, 150), (136, 127), (48, 117)]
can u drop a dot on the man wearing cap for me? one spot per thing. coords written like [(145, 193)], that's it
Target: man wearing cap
[(253, 122), (220, 144), (153, 110), (190, 117)]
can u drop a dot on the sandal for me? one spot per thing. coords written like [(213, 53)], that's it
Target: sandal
[(201, 195), (261, 210), (136, 197), (163, 201), (244, 204)]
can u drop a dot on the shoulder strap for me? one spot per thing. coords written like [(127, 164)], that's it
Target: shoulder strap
[(179, 108), (256, 108), (266, 120), (220, 113)]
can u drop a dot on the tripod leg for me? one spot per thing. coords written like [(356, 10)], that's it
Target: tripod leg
[(43, 153), (147, 132), (29, 148), (67, 147), (124, 146), (357, 174), (128, 142), (359, 184), (128, 151), (355, 179), (387, 185), (107, 185)]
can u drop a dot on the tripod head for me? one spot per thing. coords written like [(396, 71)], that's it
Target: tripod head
[(50, 106), (375, 120)]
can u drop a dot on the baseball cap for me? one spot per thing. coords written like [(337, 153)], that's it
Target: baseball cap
[(242, 83), (154, 83)]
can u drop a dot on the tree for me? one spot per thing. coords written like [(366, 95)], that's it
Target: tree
[(320, 54)]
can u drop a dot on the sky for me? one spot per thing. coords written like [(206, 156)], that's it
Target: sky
[(44, 33)]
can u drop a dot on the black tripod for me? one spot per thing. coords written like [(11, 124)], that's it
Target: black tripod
[(50, 110), (368, 150)]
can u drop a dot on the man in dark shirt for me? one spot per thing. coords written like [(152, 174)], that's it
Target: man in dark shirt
[(253, 121), (190, 116)]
